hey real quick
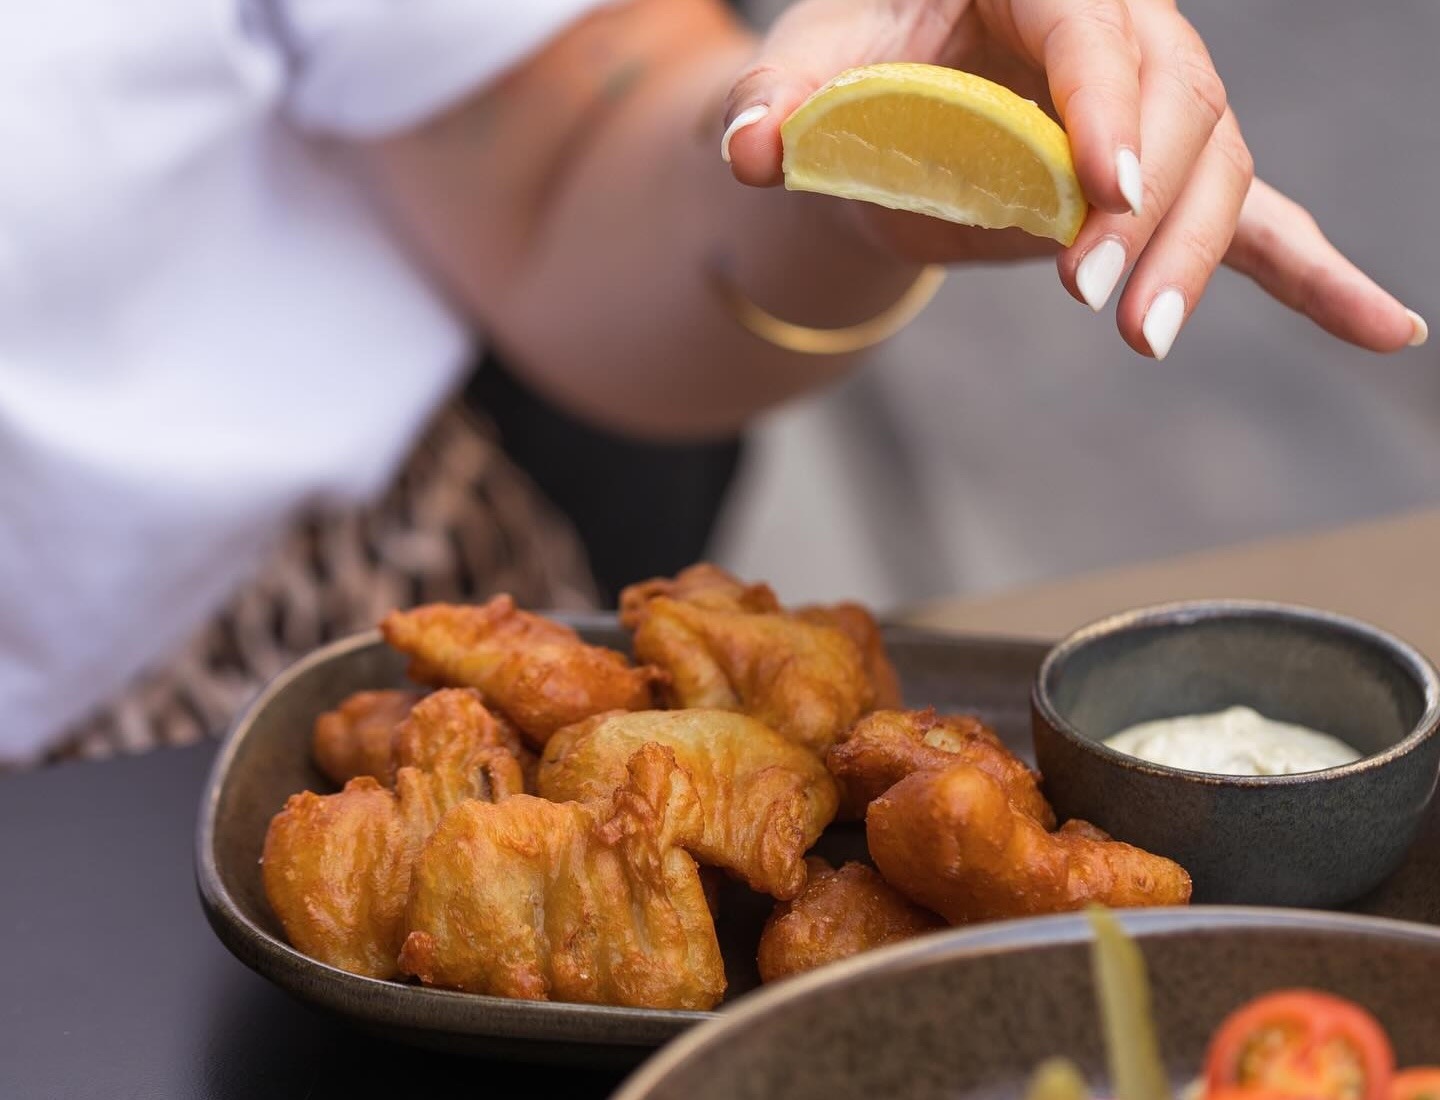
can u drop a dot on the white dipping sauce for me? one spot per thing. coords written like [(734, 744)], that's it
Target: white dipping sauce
[(1238, 741)]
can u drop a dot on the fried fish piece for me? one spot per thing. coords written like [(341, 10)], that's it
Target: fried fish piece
[(354, 739), (839, 914), (358, 737), (462, 749), (884, 747), (537, 673), (764, 800), (336, 868), (864, 631), (591, 902), (804, 680), (336, 873), (703, 585), (1076, 827), (954, 842)]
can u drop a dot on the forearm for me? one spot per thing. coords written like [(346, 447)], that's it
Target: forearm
[(626, 249), (603, 300)]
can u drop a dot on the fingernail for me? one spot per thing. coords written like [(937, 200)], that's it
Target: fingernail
[(1127, 175), (748, 117), (1422, 330), (1163, 320), (1099, 271)]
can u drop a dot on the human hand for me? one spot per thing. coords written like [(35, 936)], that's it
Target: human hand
[(1156, 147)]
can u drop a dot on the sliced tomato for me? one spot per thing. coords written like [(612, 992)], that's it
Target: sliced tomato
[(1253, 1092), (1420, 1083), (1301, 1044)]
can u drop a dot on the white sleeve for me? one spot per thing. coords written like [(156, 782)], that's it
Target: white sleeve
[(365, 68)]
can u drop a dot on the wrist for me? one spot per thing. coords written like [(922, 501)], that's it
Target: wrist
[(809, 259), (815, 264)]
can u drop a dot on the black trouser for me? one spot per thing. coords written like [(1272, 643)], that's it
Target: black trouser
[(641, 509)]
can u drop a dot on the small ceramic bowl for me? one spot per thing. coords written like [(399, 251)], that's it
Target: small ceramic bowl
[(1315, 839)]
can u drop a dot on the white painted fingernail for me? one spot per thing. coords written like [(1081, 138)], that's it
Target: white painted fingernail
[(1163, 320), (1099, 271), (1127, 175), (1422, 330), (748, 117)]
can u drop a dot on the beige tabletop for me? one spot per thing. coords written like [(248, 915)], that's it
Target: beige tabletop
[(1384, 572)]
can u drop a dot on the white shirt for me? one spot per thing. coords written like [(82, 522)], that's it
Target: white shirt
[(203, 324)]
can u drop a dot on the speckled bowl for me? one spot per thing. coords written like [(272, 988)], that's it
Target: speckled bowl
[(1317, 839), (970, 1013)]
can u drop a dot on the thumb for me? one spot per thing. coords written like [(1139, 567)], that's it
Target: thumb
[(809, 44)]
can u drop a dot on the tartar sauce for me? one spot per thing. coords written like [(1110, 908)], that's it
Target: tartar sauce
[(1238, 741)]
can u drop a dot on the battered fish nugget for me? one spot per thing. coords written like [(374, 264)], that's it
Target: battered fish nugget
[(709, 588), (954, 842), (535, 672), (593, 902), (358, 738), (336, 873), (703, 585), (864, 631), (506, 736), (804, 680), (839, 914), (462, 749), (336, 868), (886, 746), (354, 739), (764, 800)]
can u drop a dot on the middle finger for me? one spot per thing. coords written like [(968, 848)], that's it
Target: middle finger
[(1181, 102)]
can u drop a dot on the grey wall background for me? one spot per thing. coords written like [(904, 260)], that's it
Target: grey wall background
[(1010, 436)]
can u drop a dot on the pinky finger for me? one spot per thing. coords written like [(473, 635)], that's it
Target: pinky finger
[(1279, 245)]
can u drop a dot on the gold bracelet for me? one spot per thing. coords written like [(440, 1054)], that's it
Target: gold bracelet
[(827, 341)]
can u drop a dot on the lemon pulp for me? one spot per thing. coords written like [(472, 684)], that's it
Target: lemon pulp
[(936, 141)]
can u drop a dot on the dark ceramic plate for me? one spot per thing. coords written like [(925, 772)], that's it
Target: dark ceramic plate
[(971, 1013), (266, 758)]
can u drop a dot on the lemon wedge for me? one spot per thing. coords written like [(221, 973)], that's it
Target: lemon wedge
[(936, 141)]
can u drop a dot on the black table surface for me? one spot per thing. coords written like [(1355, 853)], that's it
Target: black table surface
[(112, 985)]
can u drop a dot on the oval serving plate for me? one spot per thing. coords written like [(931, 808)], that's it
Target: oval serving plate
[(266, 757), (972, 1012)]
